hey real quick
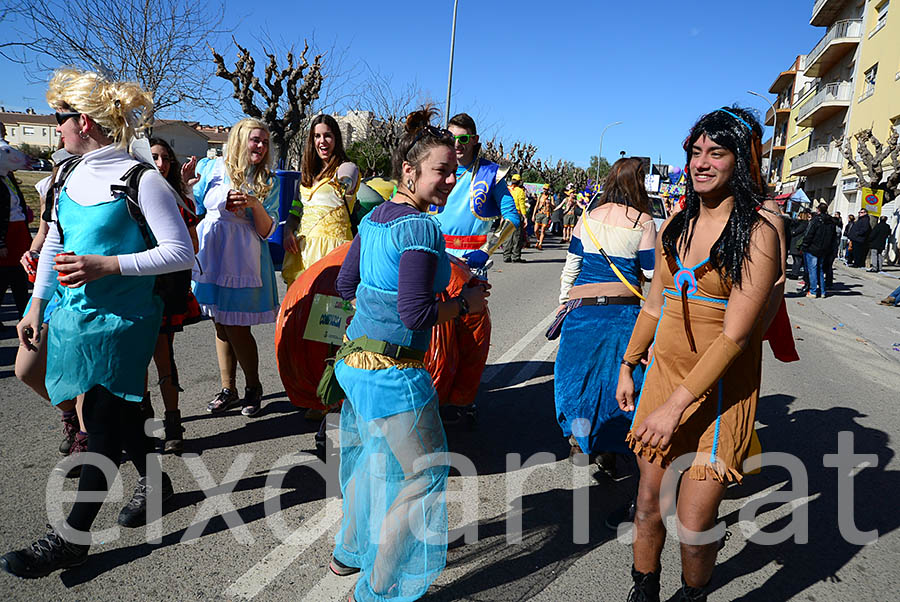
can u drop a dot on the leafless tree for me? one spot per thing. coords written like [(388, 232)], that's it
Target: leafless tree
[(160, 44), (389, 104), (297, 85), (873, 161)]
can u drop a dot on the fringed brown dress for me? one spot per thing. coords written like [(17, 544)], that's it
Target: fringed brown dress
[(719, 426)]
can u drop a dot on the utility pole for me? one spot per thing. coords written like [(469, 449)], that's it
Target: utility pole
[(600, 150), (774, 131), (450, 74)]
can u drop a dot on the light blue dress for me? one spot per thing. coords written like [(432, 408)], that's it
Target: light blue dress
[(393, 448), (102, 333), (234, 278)]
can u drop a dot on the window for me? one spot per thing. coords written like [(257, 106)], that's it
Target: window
[(27, 130), (881, 15), (12, 132), (43, 131), (869, 82)]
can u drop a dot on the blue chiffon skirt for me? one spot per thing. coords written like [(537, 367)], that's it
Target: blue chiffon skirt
[(394, 467), (586, 374)]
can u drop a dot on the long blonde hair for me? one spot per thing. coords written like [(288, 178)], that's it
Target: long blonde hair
[(119, 108), (257, 178)]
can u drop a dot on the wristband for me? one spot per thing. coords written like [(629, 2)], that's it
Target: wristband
[(629, 364), (711, 366), (463, 305), (641, 337)]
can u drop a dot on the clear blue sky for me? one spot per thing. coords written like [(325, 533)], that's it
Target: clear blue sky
[(551, 73)]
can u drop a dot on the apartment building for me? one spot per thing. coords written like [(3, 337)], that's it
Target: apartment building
[(875, 102), (30, 128), (789, 140)]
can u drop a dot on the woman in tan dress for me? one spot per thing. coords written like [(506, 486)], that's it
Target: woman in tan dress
[(719, 261)]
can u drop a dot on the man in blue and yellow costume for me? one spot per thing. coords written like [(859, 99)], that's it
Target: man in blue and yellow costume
[(478, 199)]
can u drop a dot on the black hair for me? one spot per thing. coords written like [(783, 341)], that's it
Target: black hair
[(739, 131), (174, 175), (464, 121), (415, 143)]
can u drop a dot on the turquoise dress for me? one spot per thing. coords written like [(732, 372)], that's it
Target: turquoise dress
[(102, 333), (394, 462)]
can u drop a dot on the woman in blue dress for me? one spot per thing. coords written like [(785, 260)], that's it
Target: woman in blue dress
[(394, 461), (102, 335), (602, 308), (234, 279)]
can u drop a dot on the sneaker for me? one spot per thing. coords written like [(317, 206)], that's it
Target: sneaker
[(134, 514), (507, 260), (174, 443), (70, 429), (885, 301), (625, 514), (224, 400), (251, 404), (521, 260), (692, 594), (79, 444), (606, 462), (48, 554), (314, 414), (340, 569)]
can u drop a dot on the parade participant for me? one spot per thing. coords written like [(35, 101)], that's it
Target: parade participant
[(719, 262), (180, 306), (393, 448), (15, 238), (101, 337), (817, 243), (570, 210), (31, 363), (234, 279), (541, 215), (513, 247), (479, 197), (859, 236), (599, 289), (328, 185), (876, 242)]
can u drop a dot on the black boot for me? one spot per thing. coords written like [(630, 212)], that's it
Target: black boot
[(692, 594), (174, 433), (134, 514), (645, 588), (48, 554)]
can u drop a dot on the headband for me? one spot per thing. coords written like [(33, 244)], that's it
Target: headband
[(749, 127)]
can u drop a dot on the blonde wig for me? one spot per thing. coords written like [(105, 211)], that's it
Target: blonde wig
[(257, 178), (119, 108)]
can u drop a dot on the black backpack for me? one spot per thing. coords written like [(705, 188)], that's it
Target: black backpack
[(173, 287)]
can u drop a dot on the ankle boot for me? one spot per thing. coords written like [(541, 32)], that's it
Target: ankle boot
[(70, 429), (174, 432), (645, 588), (692, 594)]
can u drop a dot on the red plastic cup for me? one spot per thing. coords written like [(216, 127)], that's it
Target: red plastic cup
[(62, 273)]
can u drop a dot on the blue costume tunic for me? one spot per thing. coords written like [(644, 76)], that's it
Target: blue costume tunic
[(393, 448), (473, 205), (592, 343), (102, 333)]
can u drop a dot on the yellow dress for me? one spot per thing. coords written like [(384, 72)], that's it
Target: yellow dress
[(325, 226)]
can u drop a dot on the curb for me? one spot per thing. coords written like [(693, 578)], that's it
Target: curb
[(885, 279)]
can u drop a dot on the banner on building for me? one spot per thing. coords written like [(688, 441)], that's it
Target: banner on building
[(871, 200)]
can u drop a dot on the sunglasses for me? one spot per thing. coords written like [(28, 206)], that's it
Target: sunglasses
[(432, 131), (464, 138), (61, 118)]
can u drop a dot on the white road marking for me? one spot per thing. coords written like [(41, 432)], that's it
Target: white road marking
[(331, 588), (491, 371), (275, 562), (523, 376)]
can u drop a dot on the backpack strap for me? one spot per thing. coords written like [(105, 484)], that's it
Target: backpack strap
[(63, 171), (129, 190)]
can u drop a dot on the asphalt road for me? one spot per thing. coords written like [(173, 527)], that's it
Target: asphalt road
[(238, 468)]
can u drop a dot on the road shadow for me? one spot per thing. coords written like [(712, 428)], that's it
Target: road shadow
[(810, 434), (301, 484), (519, 571)]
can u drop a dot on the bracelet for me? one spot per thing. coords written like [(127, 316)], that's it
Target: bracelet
[(629, 364), (463, 305)]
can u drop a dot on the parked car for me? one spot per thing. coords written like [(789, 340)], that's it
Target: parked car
[(42, 165)]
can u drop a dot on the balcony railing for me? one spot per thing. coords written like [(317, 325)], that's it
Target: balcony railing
[(831, 156), (849, 28), (820, 16), (834, 92)]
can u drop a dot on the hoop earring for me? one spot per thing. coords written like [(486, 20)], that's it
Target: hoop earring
[(410, 186), (83, 135)]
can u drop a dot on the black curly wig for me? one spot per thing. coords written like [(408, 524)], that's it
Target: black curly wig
[(739, 131)]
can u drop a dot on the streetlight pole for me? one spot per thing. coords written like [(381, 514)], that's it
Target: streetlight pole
[(600, 150), (450, 74), (774, 131)]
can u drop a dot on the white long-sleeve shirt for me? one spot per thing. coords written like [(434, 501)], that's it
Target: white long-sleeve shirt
[(89, 184)]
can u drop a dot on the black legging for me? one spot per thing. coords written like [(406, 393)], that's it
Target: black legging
[(112, 424), (14, 277)]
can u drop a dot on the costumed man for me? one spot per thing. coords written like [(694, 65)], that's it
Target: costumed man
[(513, 249), (479, 197)]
